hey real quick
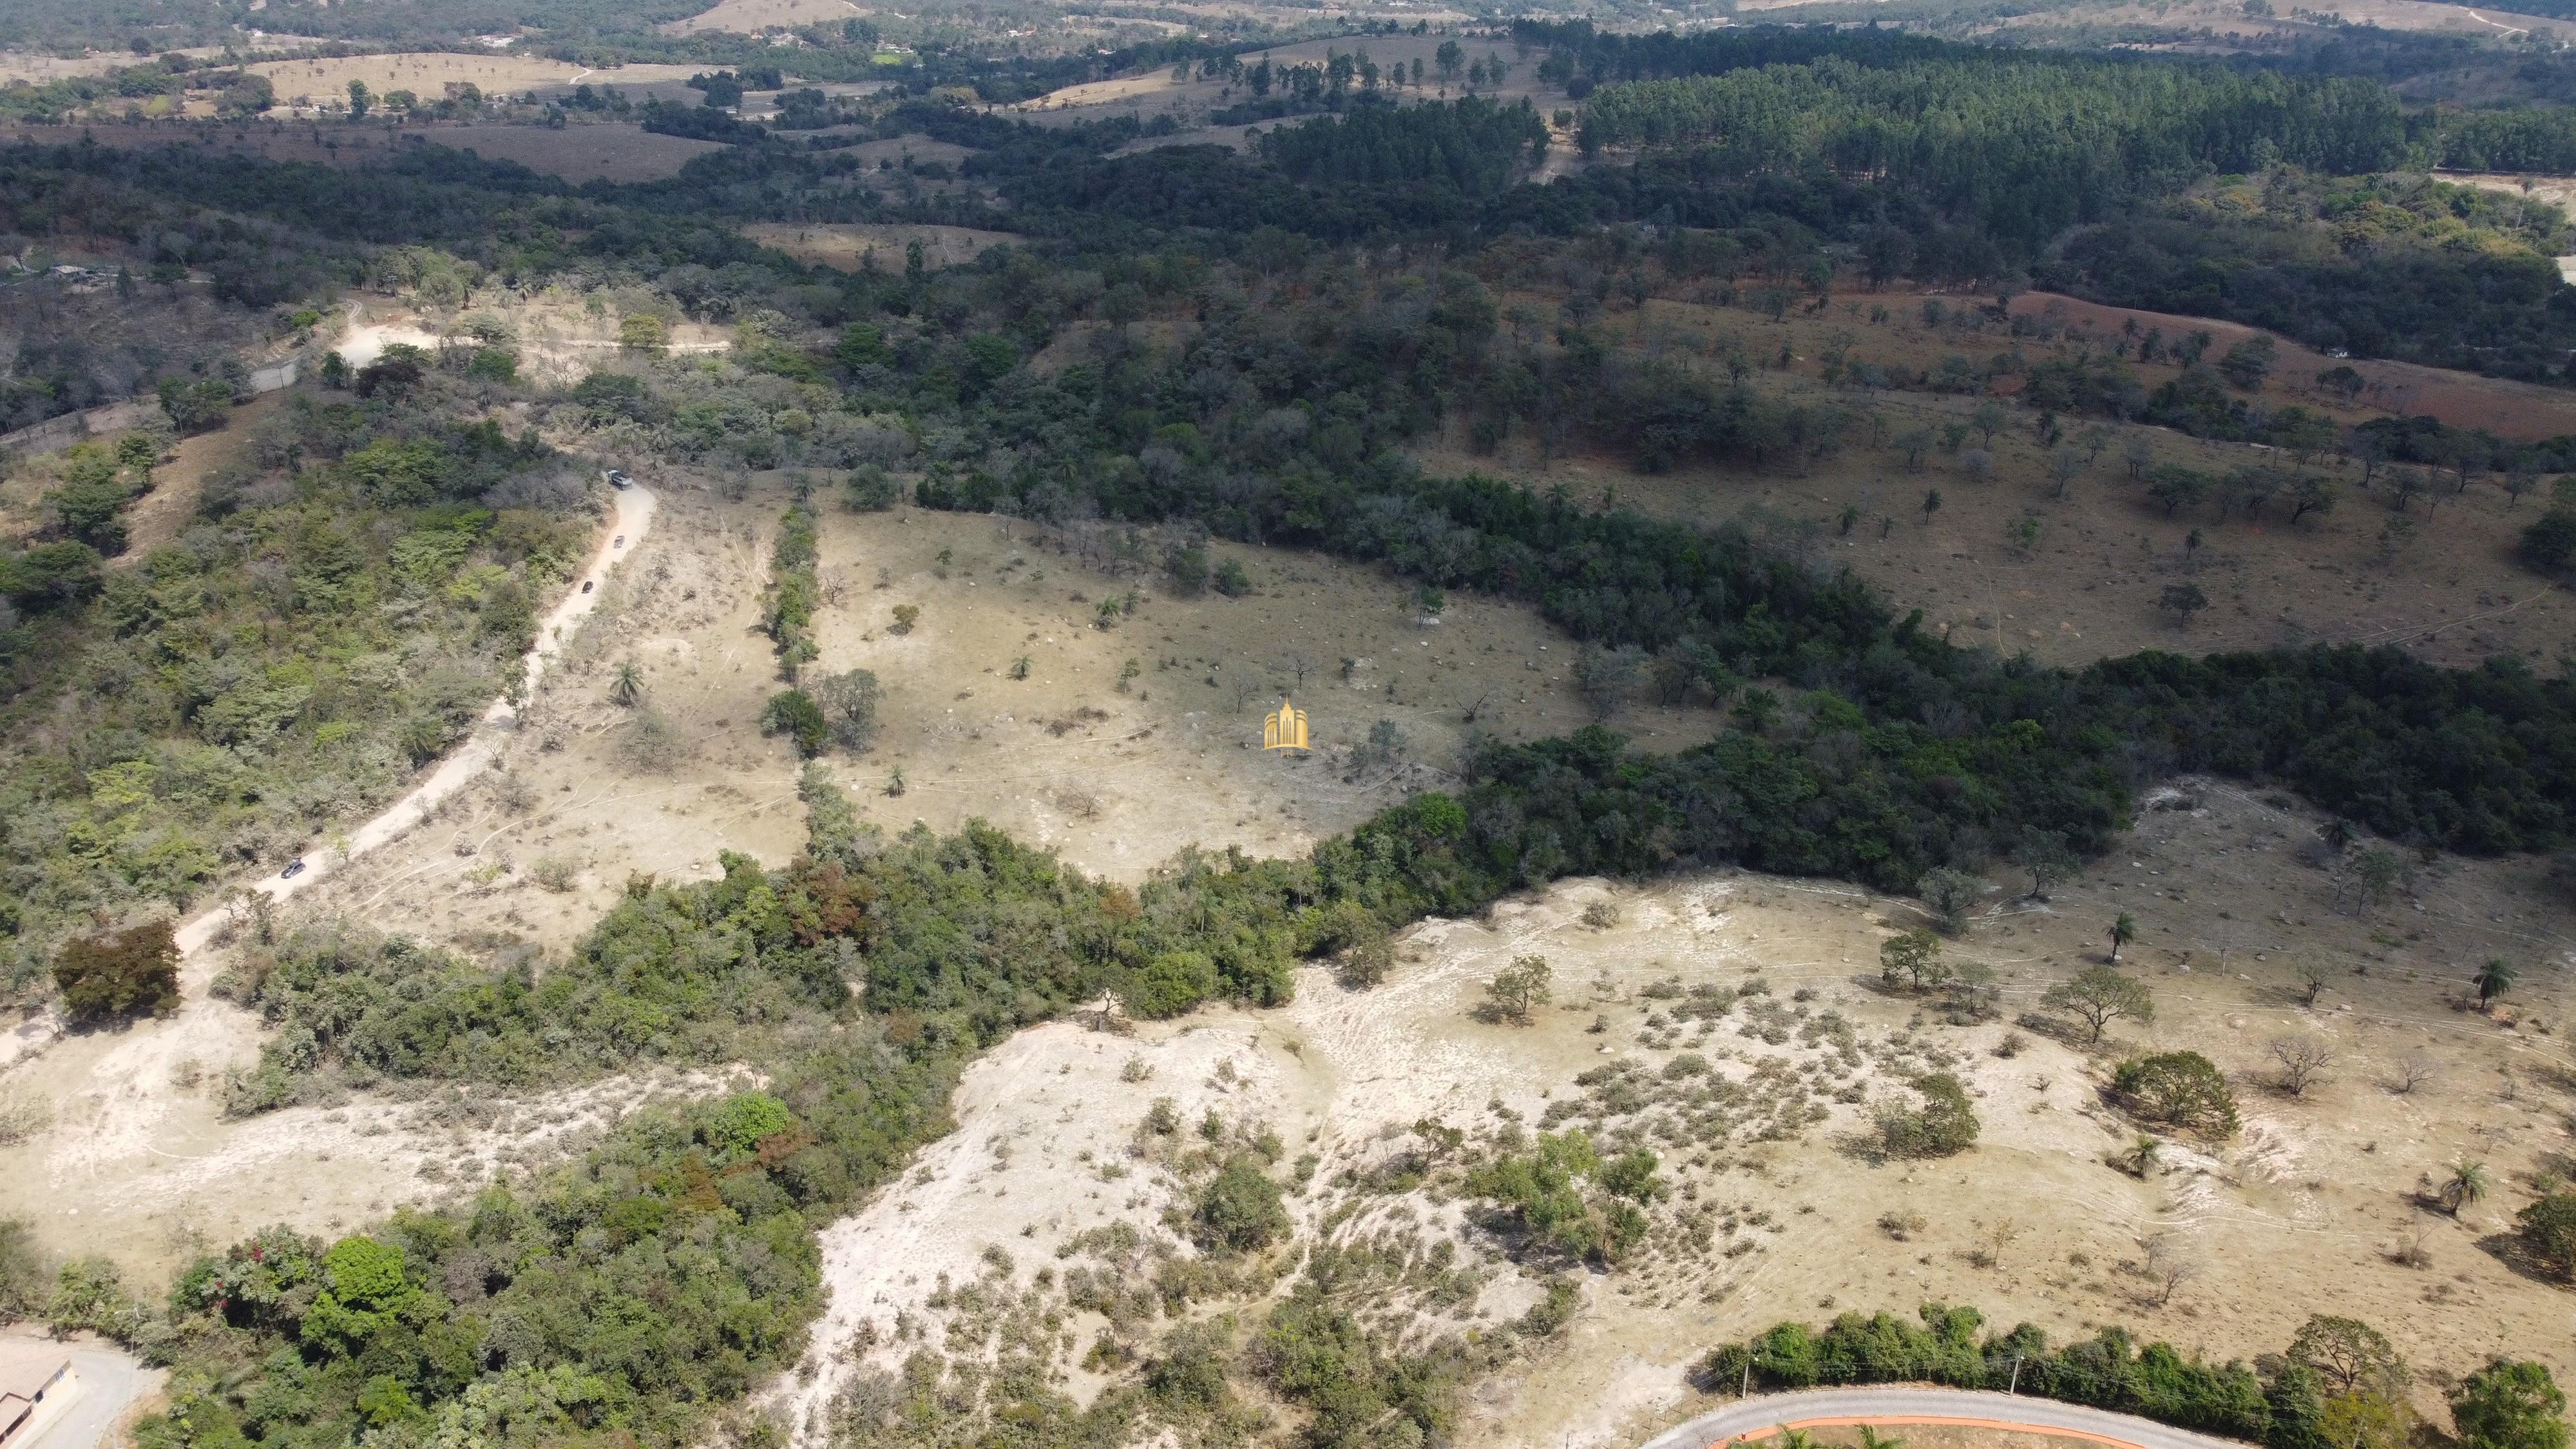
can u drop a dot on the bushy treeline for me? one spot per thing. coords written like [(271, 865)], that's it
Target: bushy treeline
[(2027, 145), (2335, 1372), (2383, 266), (650, 1281)]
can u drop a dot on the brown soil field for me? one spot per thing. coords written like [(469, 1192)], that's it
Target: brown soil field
[(2089, 585), (845, 245), (607, 151), (750, 17), (2521, 411)]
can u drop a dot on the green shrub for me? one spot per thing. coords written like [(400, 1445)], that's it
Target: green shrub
[(871, 490), (89, 1294), (2548, 1231), (2550, 542), (793, 713), (1240, 1209), (1553, 1312), (136, 969), (22, 1271), (2177, 1089), (1188, 1376), (2510, 1404), (1172, 983), (1943, 1123), (196, 407), (1541, 1193)]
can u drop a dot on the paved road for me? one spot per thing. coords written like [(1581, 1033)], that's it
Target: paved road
[(1770, 1413), (110, 1382)]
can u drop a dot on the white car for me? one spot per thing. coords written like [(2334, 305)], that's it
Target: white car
[(617, 479)]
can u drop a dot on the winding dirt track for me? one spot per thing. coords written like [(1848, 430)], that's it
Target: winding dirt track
[(633, 518), (1948, 1408)]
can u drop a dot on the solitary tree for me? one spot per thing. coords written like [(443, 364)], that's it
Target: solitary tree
[(626, 686), (2170, 1264), (2303, 1060), (2044, 854), (2494, 979), (2184, 600), (1519, 987), (1931, 503), (2099, 996), (1914, 955), (1989, 419), (2350, 1355), (2312, 982), (2124, 929)]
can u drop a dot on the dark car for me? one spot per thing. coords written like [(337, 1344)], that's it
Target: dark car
[(585, 586), (293, 869)]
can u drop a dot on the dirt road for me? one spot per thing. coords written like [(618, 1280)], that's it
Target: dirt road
[(633, 518), (1955, 1408)]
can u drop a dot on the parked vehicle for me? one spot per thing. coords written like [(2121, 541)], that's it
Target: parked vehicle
[(293, 869)]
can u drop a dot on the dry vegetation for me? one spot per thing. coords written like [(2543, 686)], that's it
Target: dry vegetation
[(849, 246), (2326, 1201), (2084, 583), (1736, 1025), (428, 74)]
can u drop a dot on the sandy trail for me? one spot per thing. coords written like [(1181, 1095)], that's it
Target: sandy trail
[(633, 518), (129, 1096)]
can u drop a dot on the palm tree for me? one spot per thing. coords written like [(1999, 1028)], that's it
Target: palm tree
[(2494, 979), (2123, 931), (1795, 1439), (2466, 1184), (626, 686), (2142, 1155), (1869, 1440)]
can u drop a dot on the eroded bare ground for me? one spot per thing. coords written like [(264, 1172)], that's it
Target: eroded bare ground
[(527, 858), (1743, 1035), (1775, 1215)]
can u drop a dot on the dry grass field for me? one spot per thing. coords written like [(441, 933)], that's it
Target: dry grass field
[(606, 151), (2087, 583), (2319, 1204), (427, 74), (37, 68), (1157, 92), (846, 245), (751, 17)]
